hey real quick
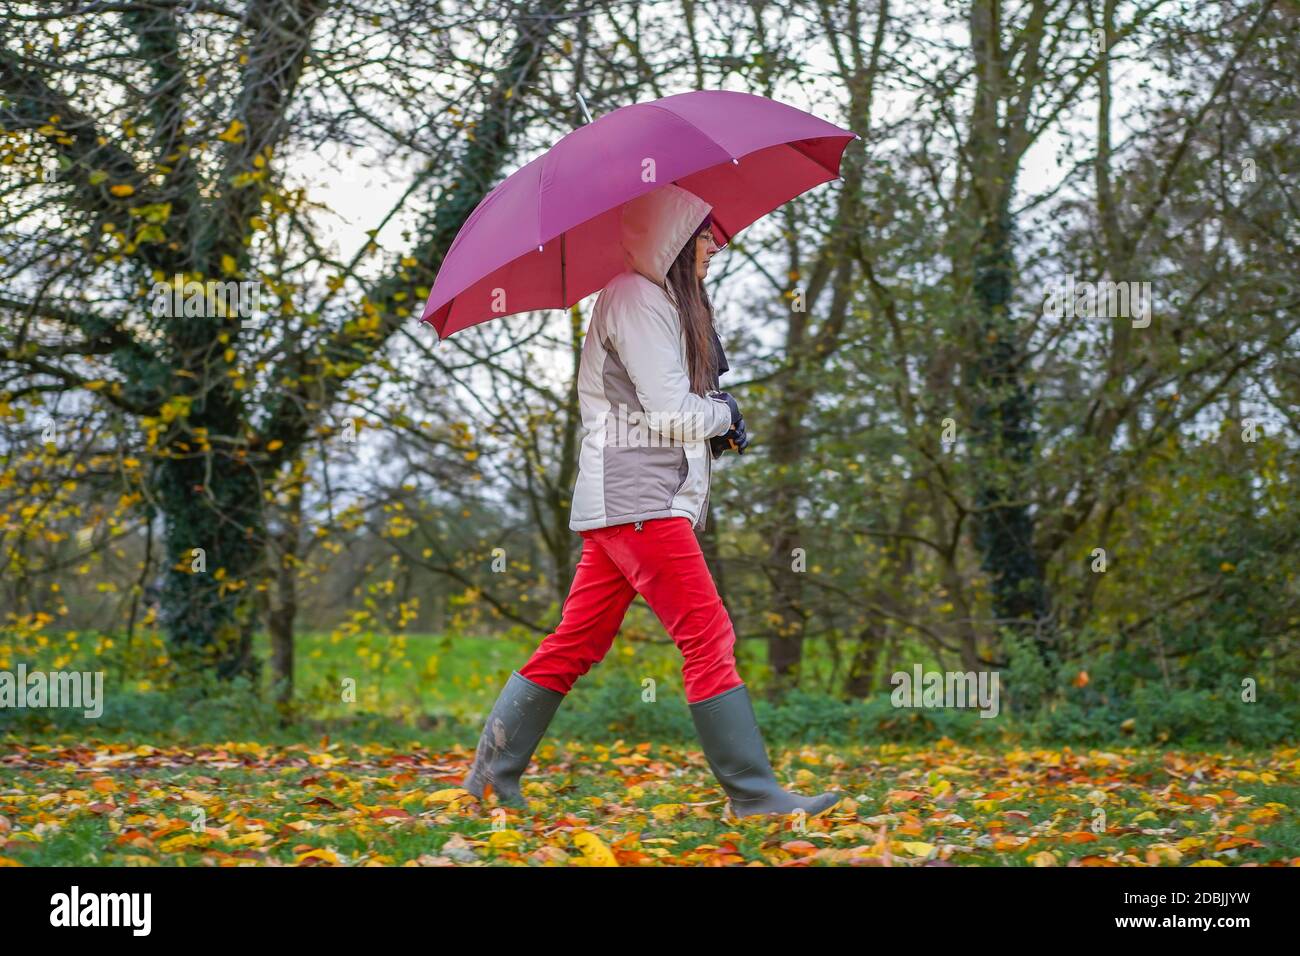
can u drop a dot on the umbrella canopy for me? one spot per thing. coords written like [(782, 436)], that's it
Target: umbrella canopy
[(549, 235)]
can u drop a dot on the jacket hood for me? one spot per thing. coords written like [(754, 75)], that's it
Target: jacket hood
[(655, 227)]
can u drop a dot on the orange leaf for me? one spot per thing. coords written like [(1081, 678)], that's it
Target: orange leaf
[(799, 847), (904, 795)]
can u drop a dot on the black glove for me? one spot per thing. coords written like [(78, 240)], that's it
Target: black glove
[(737, 440), (737, 437), (731, 404)]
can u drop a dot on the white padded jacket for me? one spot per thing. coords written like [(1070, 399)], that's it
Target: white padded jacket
[(645, 444)]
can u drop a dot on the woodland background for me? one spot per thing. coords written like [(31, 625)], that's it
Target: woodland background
[(936, 460)]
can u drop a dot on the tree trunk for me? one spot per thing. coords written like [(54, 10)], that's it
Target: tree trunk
[(862, 671), (1002, 413), (214, 540), (284, 609)]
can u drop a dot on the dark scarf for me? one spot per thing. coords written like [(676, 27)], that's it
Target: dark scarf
[(722, 358)]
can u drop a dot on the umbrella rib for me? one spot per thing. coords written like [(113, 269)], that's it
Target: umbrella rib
[(679, 116), (794, 145)]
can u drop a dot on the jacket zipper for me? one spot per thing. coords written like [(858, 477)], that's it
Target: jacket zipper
[(708, 473), (708, 482)]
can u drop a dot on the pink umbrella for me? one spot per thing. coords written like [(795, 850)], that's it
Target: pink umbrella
[(549, 235)]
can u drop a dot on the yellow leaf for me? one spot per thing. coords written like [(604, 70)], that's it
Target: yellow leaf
[(122, 190), (446, 796), (329, 856), (594, 849), (233, 133), (176, 842), (504, 838), (256, 838), (916, 847)]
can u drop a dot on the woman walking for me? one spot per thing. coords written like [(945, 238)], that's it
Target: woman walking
[(654, 421)]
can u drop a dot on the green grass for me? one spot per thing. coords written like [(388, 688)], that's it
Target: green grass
[(439, 688), (401, 676), (441, 675)]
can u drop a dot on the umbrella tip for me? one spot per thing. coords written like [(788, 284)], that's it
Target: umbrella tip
[(583, 104)]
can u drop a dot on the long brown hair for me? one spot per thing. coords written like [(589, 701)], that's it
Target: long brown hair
[(696, 314)]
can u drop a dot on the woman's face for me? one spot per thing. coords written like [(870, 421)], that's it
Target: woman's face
[(705, 247)]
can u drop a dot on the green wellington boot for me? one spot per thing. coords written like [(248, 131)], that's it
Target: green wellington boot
[(518, 720), (737, 756)]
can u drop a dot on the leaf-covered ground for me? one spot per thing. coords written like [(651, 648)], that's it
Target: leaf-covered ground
[(235, 804)]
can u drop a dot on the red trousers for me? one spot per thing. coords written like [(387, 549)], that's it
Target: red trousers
[(663, 563)]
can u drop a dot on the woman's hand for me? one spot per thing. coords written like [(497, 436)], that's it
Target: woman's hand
[(737, 437), (737, 440)]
